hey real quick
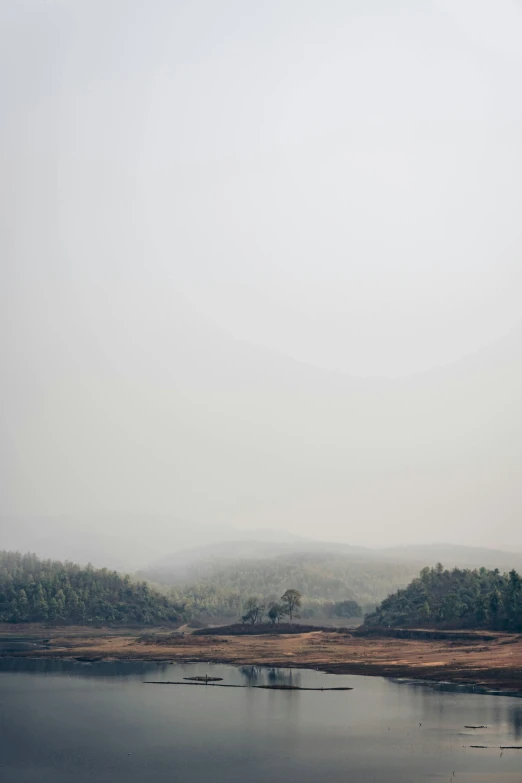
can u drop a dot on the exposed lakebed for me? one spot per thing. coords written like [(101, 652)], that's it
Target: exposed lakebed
[(63, 720)]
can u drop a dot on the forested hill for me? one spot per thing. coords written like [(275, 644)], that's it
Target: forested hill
[(455, 599), (33, 590), (217, 589)]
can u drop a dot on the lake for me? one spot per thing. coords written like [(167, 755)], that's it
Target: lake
[(72, 722)]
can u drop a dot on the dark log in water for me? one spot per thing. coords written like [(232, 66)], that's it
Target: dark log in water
[(496, 747), (224, 685)]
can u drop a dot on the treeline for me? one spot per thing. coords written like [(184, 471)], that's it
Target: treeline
[(34, 590), (326, 582), (439, 598), (212, 604), (289, 605)]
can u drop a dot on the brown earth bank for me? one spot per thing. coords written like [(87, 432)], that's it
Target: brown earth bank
[(495, 664)]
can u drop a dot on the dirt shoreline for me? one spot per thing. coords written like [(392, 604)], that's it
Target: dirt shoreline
[(493, 665)]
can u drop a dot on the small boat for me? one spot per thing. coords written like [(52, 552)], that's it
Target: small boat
[(206, 678)]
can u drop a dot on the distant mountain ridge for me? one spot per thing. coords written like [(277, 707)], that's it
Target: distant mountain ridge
[(205, 560), (144, 537), (456, 555), (160, 543)]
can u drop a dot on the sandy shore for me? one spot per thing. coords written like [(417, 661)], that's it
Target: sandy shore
[(494, 664)]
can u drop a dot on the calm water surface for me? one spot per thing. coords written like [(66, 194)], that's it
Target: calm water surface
[(68, 722)]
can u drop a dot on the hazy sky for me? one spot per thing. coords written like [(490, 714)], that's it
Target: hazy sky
[(217, 216)]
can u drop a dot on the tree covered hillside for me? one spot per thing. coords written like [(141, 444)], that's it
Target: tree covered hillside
[(455, 599), (33, 590), (219, 589)]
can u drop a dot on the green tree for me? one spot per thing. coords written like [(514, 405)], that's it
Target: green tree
[(495, 605), (276, 612), (253, 611), (33, 590), (41, 606), (482, 610), (291, 600), (22, 606), (460, 598)]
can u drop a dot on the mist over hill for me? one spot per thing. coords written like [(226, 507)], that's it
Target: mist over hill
[(214, 581), (168, 550), (198, 562), (211, 569), (127, 542)]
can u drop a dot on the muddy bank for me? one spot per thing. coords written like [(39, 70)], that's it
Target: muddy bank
[(280, 629), (495, 664), (426, 633)]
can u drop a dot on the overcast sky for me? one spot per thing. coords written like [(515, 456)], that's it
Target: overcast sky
[(217, 215)]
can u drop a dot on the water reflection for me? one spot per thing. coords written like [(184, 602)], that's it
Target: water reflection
[(447, 687), (14, 644), (251, 674), (515, 719), (262, 675), (97, 669)]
